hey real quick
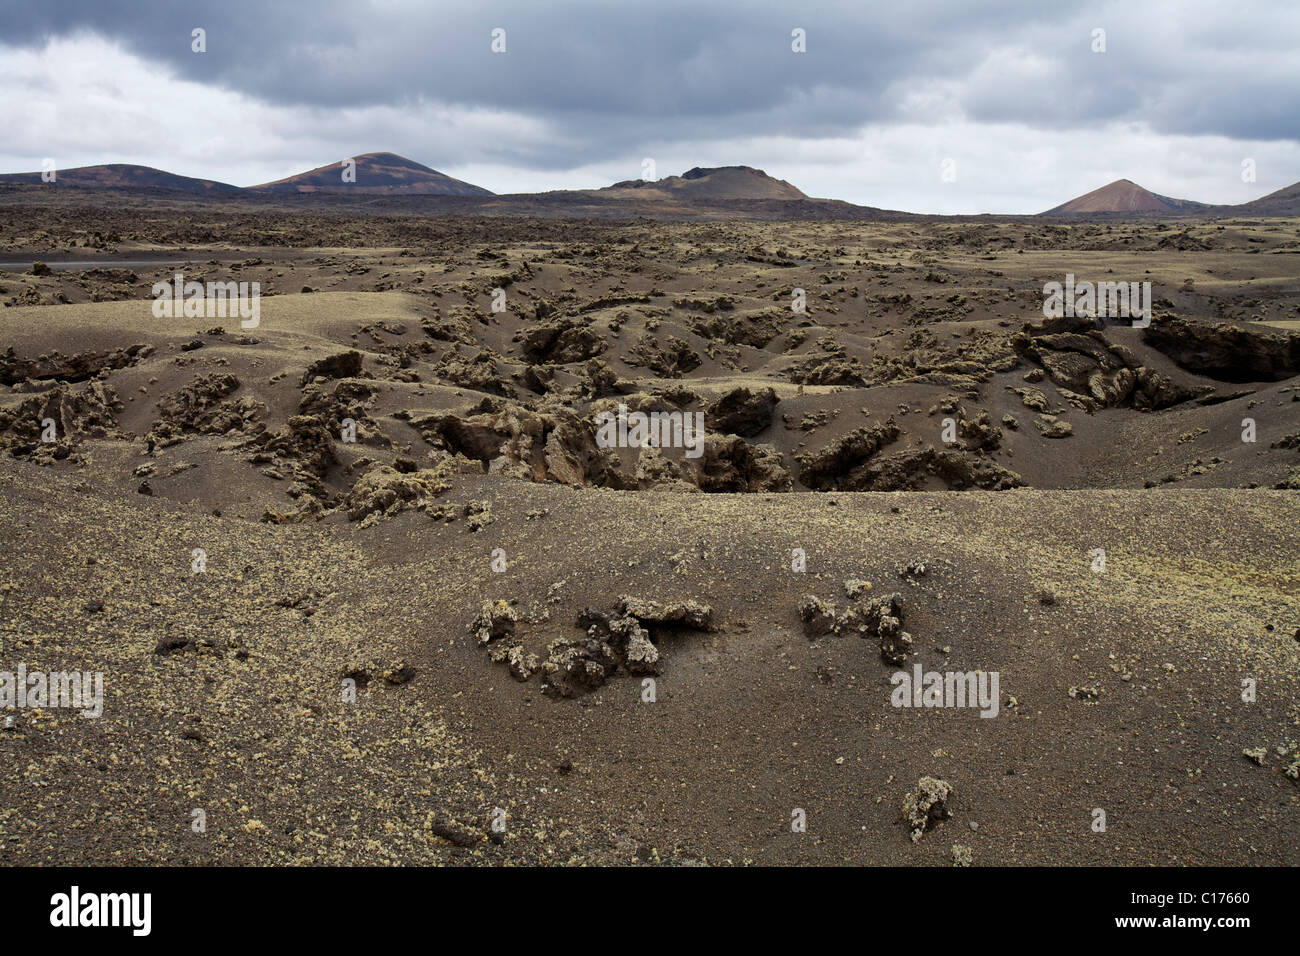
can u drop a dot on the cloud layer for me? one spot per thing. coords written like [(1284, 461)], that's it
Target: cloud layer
[(1012, 92)]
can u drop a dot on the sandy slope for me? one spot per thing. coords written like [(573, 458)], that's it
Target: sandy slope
[(750, 722)]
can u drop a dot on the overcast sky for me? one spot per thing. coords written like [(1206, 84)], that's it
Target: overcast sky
[(1011, 92)]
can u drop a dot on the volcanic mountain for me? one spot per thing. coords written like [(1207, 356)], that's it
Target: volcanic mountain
[(1284, 202), (377, 174), (121, 176), (1123, 195), (719, 182)]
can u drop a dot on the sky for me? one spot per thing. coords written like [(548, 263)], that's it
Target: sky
[(1010, 106)]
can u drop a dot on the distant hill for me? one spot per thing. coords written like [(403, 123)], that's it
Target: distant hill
[(120, 176), (1284, 202), (714, 193), (719, 182), (1124, 195), (378, 174)]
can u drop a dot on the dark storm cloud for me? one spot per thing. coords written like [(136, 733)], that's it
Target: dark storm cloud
[(607, 77), (658, 60), (884, 91)]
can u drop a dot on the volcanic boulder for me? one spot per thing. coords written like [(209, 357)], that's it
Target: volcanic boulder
[(1091, 372), (742, 412), (927, 805)]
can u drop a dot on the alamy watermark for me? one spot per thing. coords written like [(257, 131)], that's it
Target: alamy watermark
[(75, 908), (651, 430), (208, 300), (1099, 300), (951, 689), (70, 689)]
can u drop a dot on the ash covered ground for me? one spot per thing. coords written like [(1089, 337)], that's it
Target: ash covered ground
[(565, 652)]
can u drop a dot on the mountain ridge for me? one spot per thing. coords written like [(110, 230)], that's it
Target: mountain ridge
[(379, 173), (386, 174), (1123, 195), (120, 176), (711, 182)]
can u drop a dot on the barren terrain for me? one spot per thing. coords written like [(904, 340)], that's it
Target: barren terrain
[(507, 595)]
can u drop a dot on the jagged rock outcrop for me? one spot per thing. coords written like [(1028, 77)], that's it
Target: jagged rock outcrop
[(204, 407), (494, 619), (1227, 353), (836, 467), (910, 471), (672, 359), (731, 464), (383, 490), (343, 365), (63, 416), (345, 400), (510, 439), (829, 370), (616, 642), (926, 806), (305, 447), (742, 412), (1092, 372), (67, 368), (566, 340), (755, 331)]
